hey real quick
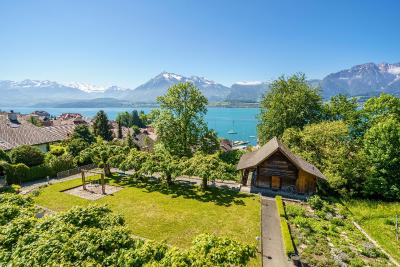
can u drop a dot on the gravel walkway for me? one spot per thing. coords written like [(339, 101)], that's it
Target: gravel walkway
[(273, 252), (30, 186)]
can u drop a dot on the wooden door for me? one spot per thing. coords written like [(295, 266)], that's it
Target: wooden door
[(276, 182)]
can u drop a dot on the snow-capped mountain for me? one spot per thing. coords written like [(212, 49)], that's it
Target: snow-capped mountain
[(247, 91), (86, 87), (363, 80), (157, 86)]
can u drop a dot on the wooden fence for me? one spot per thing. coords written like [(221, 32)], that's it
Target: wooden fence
[(75, 170)]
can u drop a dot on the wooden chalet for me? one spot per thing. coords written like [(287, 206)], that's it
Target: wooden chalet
[(275, 167)]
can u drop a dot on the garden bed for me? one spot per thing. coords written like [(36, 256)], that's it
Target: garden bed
[(378, 219), (325, 236)]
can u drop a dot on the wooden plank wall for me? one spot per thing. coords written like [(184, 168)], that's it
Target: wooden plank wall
[(306, 183), (278, 165)]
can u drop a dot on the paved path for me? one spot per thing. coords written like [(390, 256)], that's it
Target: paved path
[(30, 186), (273, 253)]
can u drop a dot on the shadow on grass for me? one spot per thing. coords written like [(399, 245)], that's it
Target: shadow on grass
[(219, 196)]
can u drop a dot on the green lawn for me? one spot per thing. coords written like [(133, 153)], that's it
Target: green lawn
[(377, 218), (175, 214)]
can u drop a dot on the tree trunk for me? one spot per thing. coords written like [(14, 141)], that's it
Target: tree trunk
[(169, 179), (204, 183), (107, 170)]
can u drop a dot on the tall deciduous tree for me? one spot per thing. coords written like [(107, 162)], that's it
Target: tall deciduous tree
[(377, 108), (290, 103), (180, 124), (329, 147), (101, 126), (381, 146)]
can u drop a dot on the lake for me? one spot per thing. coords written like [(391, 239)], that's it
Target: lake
[(222, 120)]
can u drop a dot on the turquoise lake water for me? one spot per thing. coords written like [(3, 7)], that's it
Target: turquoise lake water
[(222, 120)]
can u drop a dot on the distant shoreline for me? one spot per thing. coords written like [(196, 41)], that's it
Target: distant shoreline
[(134, 105)]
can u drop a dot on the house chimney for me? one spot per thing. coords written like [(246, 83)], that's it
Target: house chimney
[(12, 116)]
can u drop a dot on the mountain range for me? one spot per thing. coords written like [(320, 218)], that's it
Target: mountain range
[(361, 81)]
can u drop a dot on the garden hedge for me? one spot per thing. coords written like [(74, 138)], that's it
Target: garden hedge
[(287, 238)]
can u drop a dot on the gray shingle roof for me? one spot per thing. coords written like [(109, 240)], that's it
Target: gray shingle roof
[(13, 135), (252, 159)]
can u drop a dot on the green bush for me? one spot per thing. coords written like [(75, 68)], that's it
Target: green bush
[(15, 173), (28, 155), (4, 156), (59, 164), (295, 211), (57, 150), (39, 172), (316, 202)]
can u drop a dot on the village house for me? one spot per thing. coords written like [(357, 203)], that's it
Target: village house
[(16, 131), (274, 168)]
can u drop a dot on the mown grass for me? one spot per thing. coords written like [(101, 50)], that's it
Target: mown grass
[(327, 237), (175, 214), (378, 220)]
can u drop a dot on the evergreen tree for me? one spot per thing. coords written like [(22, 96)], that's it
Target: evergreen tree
[(83, 132), (101, 126), (136, 119), (129, 140), (119, 130)]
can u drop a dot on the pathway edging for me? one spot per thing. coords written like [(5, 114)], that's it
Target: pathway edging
[(375, 243)]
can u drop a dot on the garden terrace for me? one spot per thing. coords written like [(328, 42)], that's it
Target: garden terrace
[(325, 236), (377, 218)]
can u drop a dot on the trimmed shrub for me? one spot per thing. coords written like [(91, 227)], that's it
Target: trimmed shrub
[(281, 208), (287, 238), (39, 172), (16, 173), (28, 155)]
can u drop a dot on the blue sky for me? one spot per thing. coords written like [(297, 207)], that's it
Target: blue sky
[(128, 42)]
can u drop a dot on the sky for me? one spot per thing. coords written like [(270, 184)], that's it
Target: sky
[(128, 42)]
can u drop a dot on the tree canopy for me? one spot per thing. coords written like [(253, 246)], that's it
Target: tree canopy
[(83, 132), (208, 167), (180, 123), (290, 103), (381, 146)]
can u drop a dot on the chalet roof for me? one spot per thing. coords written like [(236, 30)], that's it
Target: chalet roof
[(25, 133), (252, 159)]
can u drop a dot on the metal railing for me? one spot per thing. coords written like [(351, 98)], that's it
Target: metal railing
[(75, 170)]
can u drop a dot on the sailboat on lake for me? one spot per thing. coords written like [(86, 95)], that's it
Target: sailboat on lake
[(232, 131)]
